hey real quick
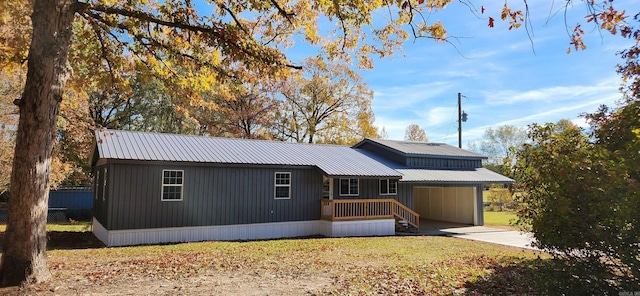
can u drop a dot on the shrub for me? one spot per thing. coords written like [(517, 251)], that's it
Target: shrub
[(581, 204)]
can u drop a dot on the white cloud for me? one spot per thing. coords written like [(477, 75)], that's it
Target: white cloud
[(408, 97), (439, 116), (556, 94)]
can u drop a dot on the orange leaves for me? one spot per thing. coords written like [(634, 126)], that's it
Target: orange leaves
[(15, 33), (610, 19), (576, 39), (515, 17), (431, 4)]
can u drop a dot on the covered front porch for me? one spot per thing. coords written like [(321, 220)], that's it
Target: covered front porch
[(350, 210)]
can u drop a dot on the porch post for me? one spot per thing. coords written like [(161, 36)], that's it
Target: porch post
[(478, 217)]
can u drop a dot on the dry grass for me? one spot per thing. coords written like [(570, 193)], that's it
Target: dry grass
[(341, 266), (71, 226)]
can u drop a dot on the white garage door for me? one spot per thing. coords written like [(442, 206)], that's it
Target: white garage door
[(453, 204)]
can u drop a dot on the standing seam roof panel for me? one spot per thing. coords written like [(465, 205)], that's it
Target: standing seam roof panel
[(421, 149), (333, 160), (199, 152), (128, 144), (181, 148), (134, 148), (142, 149), (157, 147)]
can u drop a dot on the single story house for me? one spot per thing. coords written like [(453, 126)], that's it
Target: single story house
[(157, 188)]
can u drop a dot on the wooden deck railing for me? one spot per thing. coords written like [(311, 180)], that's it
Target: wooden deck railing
[(367, 209)]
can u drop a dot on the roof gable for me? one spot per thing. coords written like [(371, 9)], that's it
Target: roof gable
[(421, 149), (332, 160), (439, 175)]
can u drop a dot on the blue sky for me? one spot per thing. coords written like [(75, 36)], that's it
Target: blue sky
[(506, 78)]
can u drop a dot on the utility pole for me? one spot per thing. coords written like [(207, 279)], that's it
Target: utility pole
[(462, 117), (459, 120)]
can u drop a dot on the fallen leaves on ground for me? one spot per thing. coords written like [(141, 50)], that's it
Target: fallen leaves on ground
[(314, 266)]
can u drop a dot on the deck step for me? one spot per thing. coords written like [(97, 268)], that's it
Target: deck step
[(403, 226)]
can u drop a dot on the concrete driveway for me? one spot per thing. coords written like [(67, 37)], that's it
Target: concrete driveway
[(479, 233)]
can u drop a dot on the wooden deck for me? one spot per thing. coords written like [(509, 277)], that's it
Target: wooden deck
[(368, 209)]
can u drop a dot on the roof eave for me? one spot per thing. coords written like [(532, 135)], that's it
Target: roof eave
[(459, 182), (383, 146), (364, 176)]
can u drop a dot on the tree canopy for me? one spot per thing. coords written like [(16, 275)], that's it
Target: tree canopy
[(327, 103), (413, 132), (499, 145)]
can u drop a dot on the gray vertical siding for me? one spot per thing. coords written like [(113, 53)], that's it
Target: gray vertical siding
[(448, 163), (211, 196), (368, 189), (100, 210), (405, 194), (479, 205)]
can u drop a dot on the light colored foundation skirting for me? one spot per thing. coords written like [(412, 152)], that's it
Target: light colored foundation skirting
[(243, 231)]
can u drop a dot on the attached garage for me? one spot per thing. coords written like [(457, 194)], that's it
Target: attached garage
[(439, 181), (451, 204)]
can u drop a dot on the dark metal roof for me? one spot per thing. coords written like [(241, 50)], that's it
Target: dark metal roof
[(422, 149), (453, 176), (332, 160)]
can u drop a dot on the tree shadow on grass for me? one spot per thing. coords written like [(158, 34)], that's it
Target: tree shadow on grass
[(67, 240), (542, 277)]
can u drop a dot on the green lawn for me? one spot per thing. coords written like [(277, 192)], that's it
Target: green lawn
[(487, 195), (72, 227), (499, 218)]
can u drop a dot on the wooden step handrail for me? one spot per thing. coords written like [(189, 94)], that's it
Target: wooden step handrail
[(403, 212), (367, 209)]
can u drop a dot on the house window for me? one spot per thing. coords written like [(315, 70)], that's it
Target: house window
[(283, 185), (172, 181), (348, 187), (388, 187)]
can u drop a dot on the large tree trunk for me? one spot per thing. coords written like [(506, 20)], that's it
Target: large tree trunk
[(24, 251)]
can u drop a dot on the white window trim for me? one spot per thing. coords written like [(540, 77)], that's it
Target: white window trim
[(349, 194), (105, 180), (330, 181), (276, 185), (180, 185), (97, 184), (388, 187)]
